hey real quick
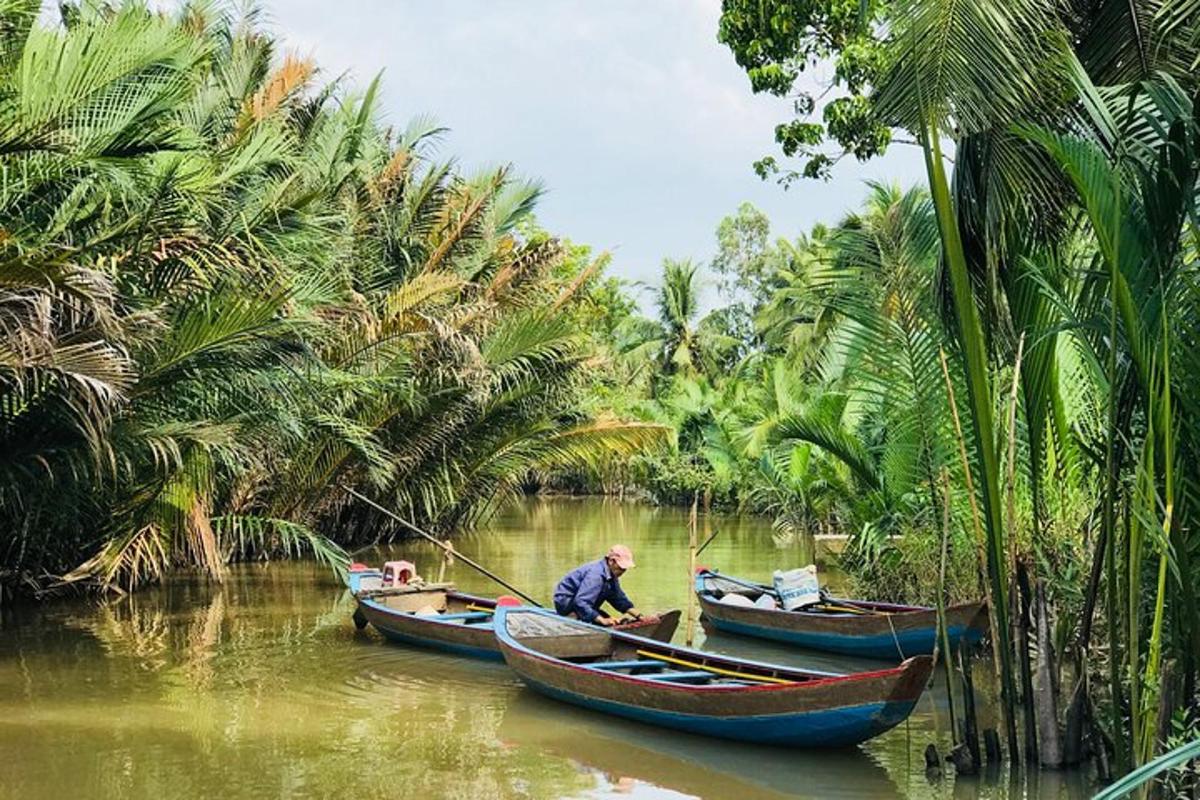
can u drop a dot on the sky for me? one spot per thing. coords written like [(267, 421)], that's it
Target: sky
[(638, 123)]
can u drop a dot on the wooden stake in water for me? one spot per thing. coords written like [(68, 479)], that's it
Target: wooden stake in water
[(447, 560), (691, 606), (943, 630)]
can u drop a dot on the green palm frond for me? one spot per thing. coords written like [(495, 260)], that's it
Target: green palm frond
[(226, 289), (836, 441), (261, 537), (975, 63), (589, 445)]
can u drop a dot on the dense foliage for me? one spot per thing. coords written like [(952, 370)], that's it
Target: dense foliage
[(226, 289), (1066, 291)]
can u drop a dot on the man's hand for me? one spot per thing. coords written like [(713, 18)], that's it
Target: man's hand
[(607, 622)]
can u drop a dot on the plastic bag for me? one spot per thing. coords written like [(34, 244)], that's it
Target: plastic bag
[(766, 600), (798, 588)]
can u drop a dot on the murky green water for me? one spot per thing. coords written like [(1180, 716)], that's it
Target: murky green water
[(262, 688)]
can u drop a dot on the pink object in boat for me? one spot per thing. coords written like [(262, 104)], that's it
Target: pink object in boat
[(398, 573)]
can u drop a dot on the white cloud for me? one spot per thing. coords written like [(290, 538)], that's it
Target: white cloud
[(639, 122)]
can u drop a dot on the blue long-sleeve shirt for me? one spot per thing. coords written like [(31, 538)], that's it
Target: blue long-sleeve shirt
[(585, 589)]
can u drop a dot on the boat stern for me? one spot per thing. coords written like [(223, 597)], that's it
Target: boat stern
[(361, 577)]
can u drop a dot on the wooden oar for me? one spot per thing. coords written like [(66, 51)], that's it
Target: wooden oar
[(762, 587), (442, 545), (716, 670), (848, 609)]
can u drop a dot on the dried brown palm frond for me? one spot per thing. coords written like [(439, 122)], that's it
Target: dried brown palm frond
[(462, 215), (289, 79), (581, 280)]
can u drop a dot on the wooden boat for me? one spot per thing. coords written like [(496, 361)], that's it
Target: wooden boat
[(851, 627), (697, 692), (441, 617)]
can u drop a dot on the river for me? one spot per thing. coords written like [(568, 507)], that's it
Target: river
[(261, 687)]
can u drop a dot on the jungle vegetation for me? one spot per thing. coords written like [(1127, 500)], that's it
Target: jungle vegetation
[(228, 288), (1062, 145)]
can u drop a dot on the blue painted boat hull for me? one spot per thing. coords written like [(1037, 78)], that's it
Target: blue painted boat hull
[(447, 632), (884, 631), (740, 700), (465, 650), (836, 727), (879, 646)]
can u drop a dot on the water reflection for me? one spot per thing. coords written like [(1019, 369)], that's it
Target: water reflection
[(631, 754), (262, 688)]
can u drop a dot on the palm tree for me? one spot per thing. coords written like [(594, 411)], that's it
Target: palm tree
[(678, 304), (883, 409), (962, 71), (794, 319), (1138, 187), (227, 290)]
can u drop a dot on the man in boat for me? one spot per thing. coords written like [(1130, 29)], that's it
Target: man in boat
[(585, 589)]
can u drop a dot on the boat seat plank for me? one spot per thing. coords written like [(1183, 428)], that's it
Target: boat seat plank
[(646, 662), (681, 676), (466, 615)]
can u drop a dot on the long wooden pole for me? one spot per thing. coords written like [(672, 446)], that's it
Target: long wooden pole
[(443, 546), (691, 607), (943, 629)]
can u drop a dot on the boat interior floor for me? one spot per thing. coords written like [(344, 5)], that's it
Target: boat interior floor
[(649, 667)]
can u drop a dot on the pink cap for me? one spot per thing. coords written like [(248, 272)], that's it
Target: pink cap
[(622, 555)]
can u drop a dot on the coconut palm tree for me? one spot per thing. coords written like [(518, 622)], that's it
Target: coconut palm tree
[(226, 290)]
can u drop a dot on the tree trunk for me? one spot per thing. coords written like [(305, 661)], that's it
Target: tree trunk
[(1167, 699), (1076, 727), (1051, 750), (970, 737), (1024, 624), (1076, 723)]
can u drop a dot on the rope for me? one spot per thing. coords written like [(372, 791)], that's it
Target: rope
[(895, 638)]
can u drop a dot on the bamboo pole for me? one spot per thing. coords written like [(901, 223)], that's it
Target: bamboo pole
[(948, 656), (691, 606), (1011, 476), (1109, 525), (682, 662), (477, 567), (707, 542)]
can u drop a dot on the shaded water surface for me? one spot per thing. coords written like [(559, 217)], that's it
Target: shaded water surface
[(262, 688)]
